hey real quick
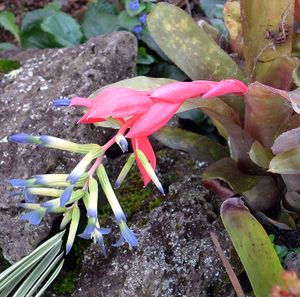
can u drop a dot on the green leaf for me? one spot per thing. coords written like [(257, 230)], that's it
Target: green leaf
[(12, 276), (260, 155), (198, 146), (6, 45), (126, 21), (34, 276), (212, 8), (55, 5), (143, 57), (227, 170), (189, 46), (194, 115), (8, 22), (165, 69), (286, 163), (100, 18), (7, 66), (50, 280), (265, 112), (253, 246), (31, 33), (64, 29)]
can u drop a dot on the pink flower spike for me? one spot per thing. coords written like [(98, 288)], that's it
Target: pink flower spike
[(143, 144), (227, 87), (152, 120), (80, 101), (119, 100), (180, 91)]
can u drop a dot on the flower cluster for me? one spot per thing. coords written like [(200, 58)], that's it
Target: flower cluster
[(138, 114)]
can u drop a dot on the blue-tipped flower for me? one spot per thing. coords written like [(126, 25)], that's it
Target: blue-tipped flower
[(45, 179), (93, 231), (73, 228), (20, 183), (125, 171), (143, 18), (61, 102), (92, 199), (66, 195), (148, 168), (122, 142), (34, 217), (126, 235), (134, 5), (51, 205), (81, 167), (24, 138), (138, 29), (29, 197)]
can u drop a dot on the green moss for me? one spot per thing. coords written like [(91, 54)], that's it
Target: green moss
[(155, 203), (66, 284)]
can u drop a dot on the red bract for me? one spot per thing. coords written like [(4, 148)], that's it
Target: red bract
[(153, 119), (180, 91), (226, 87)]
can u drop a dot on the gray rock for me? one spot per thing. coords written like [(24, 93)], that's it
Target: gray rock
[(25, 107), (175, 256)]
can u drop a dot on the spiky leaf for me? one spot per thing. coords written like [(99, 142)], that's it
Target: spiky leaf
[(189, 46)]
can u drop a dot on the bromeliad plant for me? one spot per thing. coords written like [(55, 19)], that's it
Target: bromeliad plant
[(261, 129)]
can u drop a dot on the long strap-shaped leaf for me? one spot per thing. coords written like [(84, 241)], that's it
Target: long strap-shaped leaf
[(44, 258)]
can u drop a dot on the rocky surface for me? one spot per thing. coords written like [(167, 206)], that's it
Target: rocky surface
[(26, 107), (175, 256)]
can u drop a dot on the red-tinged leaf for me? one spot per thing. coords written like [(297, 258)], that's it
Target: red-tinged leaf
[(286, 141), (143, 144), (292, 123), (277, 73), (265, 112), (180, 91), (292, 201), (292, 181), (264, 195), (239, 144), (155, 118), (228, 86), (215, 186), (266, 220), (218, 105)]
